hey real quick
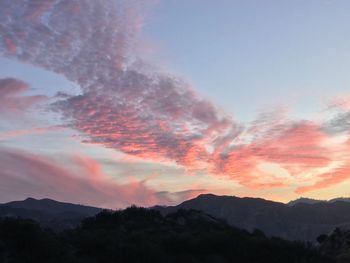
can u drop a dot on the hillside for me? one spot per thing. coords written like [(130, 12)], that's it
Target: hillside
[(143, 235), (49, 213), (298, 222)]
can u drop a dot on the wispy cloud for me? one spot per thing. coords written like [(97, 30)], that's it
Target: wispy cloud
[(13, 98), (178, 197), (32, 131), (80, 180), (294, 146)]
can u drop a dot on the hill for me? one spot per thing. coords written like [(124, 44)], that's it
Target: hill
[(49, 213), (144, 235), (303, 200), (301, 221)]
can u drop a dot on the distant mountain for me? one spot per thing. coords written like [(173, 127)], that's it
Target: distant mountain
[(342, 199), (303, 221), (53, 206), (47, 212), (303, 200)]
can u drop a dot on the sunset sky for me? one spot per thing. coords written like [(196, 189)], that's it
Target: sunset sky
[(119, 102)]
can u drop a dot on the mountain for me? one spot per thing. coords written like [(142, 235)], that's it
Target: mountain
[(301, 221), (304, 200), (47, 212), (144, 235), (53, 206), (343, 199)]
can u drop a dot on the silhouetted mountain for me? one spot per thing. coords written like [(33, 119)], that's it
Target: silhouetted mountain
[(144, 235), (343, 199), (304, 200), (47, 212), (298, 222), (314, 201), (53, 207)]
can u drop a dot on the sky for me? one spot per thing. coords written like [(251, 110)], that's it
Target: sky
[(118, 102)]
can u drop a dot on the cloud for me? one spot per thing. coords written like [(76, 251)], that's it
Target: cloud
[(152, 115), (147, 113), (342, 102), (326, 180), (336, 175), (33, 131), (296, 147), (13, 98), (24, 174), (150, 122), (338, 124), (178, 197)]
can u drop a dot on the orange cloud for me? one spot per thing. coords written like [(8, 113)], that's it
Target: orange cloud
[(293, 146), (335, 176), (326, 180)]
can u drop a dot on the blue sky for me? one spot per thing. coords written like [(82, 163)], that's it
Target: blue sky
[(247, 55)]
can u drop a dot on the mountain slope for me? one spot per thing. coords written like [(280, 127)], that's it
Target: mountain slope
[(303, 200), (53, 206), (297, 222), (47, 212), (144, 235)]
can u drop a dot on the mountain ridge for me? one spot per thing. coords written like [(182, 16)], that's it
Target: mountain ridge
[(297, 222), (300, 221), (48, 212)]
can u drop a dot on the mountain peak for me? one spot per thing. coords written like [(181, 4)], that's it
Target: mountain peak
[(30, 199), (52, 206), (304, 200)]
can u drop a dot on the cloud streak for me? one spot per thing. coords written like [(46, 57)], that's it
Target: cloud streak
[(24, 174), (12, 96), (34, 131)]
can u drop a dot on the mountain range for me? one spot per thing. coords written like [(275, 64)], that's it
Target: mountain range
[(298, 221), (304, 200), (48, 212), (302, 219)]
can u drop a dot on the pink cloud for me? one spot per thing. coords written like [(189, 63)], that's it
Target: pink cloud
[(151, 115), (326, 180), (296, 147), (81, 180), (178, 197), (34, 131), (340, 103), (336, 176), (13, 98)]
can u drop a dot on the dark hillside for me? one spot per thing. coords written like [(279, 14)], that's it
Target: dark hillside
[(143, 235)]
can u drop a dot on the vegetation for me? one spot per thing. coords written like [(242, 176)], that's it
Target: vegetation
[(336, 245), (144, 235)]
